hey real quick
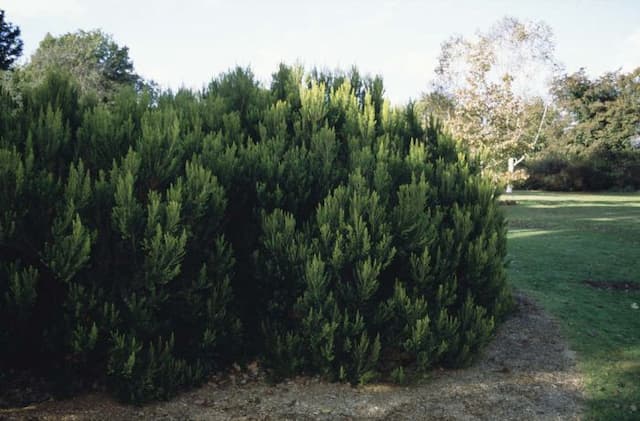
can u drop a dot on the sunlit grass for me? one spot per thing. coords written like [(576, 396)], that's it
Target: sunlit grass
[(556, 242)]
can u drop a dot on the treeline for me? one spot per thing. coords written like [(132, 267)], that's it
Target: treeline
[(593, 136), (582, 134), (149, 238)]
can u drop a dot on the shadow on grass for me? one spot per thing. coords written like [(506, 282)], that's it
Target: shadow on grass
[(553, 248), (578, 204)]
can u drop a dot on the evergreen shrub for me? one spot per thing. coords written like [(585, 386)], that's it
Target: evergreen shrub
[(597, 169), (152, 239)]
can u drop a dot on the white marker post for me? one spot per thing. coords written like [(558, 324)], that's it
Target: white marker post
[(512, 166)]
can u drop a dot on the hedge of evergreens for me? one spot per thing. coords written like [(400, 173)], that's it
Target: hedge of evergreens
[(596, 169), (147, 241)]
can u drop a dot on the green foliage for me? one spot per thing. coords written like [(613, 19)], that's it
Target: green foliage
[(10, 43), (604, 112), (596, 169), (145, 239), (598, 148), (558, 240), (98, 64)]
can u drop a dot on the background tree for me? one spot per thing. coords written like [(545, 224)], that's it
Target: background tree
[(10, 43), (597, 133), (603, 112), (495, 86), (98, 64)]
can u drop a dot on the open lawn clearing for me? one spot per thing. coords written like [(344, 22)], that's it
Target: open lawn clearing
[(563, 249)]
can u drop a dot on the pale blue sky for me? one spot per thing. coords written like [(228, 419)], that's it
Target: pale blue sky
[(187, 42)]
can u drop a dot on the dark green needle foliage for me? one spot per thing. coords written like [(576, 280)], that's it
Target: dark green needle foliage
[(10, 43), (150, 240)]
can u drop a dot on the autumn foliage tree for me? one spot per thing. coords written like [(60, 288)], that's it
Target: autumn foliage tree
[(490, 89), (144, 238)]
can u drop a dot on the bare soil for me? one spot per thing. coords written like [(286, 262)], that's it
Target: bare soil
[(527, 372)]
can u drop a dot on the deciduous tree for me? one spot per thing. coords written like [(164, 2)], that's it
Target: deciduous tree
[(96, 61), (492, 85)]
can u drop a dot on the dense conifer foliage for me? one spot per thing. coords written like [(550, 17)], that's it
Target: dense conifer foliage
[(10, 43), (151, 239)]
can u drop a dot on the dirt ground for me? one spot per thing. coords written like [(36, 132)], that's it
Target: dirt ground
[(528, 372)]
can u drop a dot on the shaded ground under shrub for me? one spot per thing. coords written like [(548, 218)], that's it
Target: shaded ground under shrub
[(527, 371)]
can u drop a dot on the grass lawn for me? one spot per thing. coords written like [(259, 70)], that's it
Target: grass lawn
[(556, 242)]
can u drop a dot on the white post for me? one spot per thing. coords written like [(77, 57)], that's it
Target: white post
[(512, 165), (513, 161)]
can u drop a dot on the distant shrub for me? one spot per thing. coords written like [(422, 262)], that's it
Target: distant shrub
[(600, 169), (143, 240)]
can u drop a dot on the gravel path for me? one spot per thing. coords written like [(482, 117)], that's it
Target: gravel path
[(528, 372)]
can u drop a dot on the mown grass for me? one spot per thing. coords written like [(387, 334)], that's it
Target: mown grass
[(556, 242)]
